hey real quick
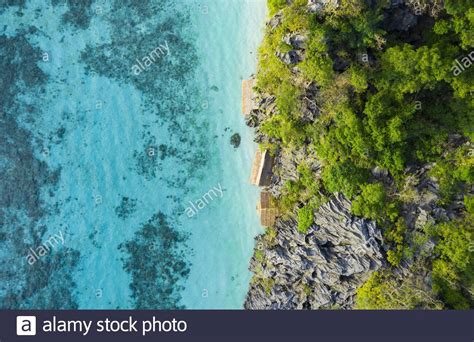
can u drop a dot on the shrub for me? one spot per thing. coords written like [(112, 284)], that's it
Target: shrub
[(305, 218), (452, 269), (344, 177), (383, 291), (275, 5), (469, 203), (371, 202)]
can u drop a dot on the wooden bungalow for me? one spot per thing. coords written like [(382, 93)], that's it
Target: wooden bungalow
[(262, 169)]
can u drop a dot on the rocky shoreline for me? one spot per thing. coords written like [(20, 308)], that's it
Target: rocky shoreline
[(323, 268)]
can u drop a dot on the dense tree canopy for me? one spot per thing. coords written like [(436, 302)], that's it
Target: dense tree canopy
[(387, 103)]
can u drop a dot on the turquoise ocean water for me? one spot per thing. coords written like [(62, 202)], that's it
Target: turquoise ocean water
[(112, 160)]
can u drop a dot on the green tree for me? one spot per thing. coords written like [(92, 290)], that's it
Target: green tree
[(345, 177), (305, 218)]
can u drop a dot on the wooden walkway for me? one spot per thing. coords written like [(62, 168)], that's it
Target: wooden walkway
[(266, 209)]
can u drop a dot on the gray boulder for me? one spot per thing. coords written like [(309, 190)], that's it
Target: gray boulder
[(290, 57), (400, 19), (297, 41), (275, 21), (316, 6)]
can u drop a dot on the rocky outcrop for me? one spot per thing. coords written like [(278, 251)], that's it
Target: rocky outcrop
[(400, 19), (320, 269), (324, 267), (275, 21), (297, 43), (285, 165), (290, 57), (295, 40), (316, 6), (408, 19)]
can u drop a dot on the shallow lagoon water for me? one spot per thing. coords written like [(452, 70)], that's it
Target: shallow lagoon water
[(118, 157)]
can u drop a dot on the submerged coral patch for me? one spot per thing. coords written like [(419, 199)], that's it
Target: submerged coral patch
[(126, 207), (48, 283), (157, 262)]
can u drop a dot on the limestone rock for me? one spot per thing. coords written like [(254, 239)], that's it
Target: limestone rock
[(290, 57), (400, 19), (297, 41), (275, 21), (321, 269), (316, 6)]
